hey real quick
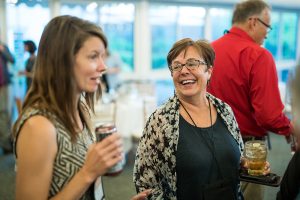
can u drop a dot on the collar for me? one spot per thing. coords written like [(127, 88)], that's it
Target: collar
[(241, 33)]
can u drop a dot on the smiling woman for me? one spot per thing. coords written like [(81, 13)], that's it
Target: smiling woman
[(198, 58), (190, 135)]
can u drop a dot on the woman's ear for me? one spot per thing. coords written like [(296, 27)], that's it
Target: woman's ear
[(209, 72)]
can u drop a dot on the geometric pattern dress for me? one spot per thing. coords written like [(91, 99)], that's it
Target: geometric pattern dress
[(70, 155)]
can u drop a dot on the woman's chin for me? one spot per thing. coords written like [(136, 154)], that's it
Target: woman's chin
[(188, 93), (91, 89)]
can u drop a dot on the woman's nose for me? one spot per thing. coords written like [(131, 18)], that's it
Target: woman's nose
[(184, 69), (101, 67)]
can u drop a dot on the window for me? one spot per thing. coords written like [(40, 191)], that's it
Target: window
[(282, 40), (289, 33), (220, 21), (23, 25), (82, 9), (271, 43), (172, 23), (117, 21)]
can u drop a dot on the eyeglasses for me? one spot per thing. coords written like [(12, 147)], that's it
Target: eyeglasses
[(190, 64), (265, 24)]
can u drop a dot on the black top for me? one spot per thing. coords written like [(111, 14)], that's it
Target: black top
[(290, 184), (195, 165), (29, 68)]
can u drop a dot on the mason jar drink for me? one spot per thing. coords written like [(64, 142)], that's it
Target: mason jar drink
[(102, 131), (256, 155)]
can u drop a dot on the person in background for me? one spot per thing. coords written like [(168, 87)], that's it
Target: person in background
[(30, 47), (111, 77), (245, 77), (5, 108), (290, 184), (56, 152), (192, 143)]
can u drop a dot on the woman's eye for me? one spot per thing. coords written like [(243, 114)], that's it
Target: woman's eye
[(192, 64), (94, 56)]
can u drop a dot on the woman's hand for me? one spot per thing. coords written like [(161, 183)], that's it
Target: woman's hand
[(244, 166), (267, 168), (102, 155), (142, 195)]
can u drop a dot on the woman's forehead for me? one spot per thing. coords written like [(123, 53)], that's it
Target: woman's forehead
[(190, 51)]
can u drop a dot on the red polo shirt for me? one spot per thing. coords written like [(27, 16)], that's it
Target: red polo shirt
[(245, 77)]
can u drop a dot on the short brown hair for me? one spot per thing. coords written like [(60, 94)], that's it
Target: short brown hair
[(248, 8), (203, 47)]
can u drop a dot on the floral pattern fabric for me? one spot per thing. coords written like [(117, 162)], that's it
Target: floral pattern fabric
[(155, 164)]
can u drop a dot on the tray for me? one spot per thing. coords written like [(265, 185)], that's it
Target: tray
[(269, 180)]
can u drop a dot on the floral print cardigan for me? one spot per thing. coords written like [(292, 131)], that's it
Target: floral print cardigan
[(156, 154)]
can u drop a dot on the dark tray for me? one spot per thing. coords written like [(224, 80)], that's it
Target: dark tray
[(269, 180)]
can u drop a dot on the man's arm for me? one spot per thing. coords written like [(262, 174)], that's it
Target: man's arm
[(265, 96), (6, 54)]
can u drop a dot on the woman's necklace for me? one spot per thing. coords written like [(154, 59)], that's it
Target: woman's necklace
[(191, 116), (208, 136), (211, 145)]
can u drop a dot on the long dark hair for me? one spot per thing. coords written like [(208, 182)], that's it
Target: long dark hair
[(54, 86)]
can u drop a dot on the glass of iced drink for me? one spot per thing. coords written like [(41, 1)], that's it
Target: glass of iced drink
[(256, 155)]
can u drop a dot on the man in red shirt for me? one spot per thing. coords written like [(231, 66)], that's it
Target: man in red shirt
[(245, 76)]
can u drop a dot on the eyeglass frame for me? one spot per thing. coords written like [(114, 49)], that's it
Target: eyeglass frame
[(200, 62), (263, 23)]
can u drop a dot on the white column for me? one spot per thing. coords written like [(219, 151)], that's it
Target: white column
[(54, 6), (207, 25), (3, 22), (142, 41)]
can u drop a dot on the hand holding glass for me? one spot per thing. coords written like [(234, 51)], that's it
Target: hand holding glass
[(256, 155), (102, 131)]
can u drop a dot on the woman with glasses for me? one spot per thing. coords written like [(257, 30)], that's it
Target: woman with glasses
[(191, 146)]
